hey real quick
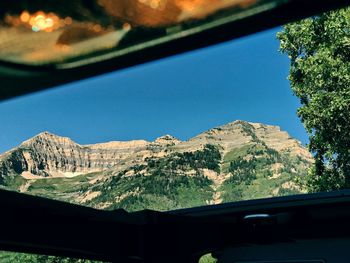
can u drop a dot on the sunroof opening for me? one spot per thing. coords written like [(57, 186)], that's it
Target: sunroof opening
[(209, 127), (218, 125)]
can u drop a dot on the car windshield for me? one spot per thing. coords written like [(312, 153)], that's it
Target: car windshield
[(217, 125)]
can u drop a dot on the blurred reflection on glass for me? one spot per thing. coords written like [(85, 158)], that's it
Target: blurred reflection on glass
[(43, 32)]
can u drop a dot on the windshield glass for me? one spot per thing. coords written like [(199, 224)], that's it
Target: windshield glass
[(217, 125)]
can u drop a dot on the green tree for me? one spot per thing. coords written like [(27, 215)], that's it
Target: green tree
[(319, 51), (207, 259)]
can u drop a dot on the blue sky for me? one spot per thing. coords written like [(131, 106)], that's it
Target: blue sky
[(183, 95)]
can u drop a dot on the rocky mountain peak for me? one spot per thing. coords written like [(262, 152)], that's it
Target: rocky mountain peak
[(240, 124), (236, 134), (47, 138), (167, 140)]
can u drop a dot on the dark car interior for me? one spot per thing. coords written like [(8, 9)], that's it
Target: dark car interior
[(310, 228)]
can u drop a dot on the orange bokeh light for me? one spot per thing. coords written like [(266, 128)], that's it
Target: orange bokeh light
[(40, 21), (68, 20), (25, 16)]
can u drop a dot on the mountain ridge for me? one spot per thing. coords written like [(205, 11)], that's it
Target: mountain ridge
[(222, 164), (50, 134), (117, 148)]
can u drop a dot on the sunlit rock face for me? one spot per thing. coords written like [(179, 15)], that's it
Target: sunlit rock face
[(49, 155), (239, 133), (167, 140)]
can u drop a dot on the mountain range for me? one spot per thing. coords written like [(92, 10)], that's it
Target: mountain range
[(236, 161)]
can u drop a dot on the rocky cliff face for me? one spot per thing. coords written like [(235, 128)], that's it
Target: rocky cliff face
[(236, 161), (241, 133), (49, 155)]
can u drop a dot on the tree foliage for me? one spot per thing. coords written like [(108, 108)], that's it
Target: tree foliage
[(319, 51), (9, 257)]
